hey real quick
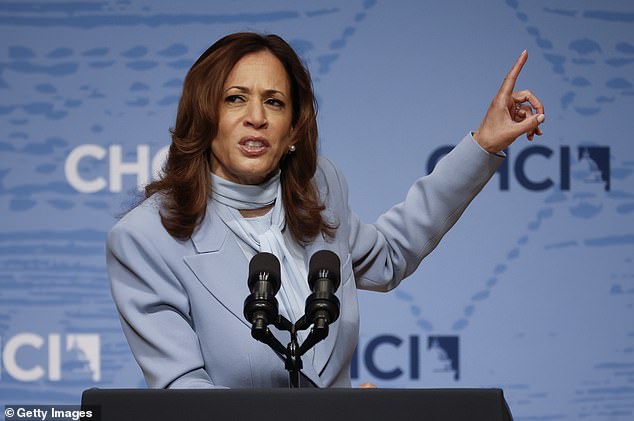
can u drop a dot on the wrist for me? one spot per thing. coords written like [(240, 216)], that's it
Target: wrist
[(485, 146)]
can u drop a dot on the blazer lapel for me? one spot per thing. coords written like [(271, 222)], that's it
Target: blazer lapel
[(220, 264)]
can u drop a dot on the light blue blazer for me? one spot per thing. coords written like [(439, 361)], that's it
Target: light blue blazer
[(181, 302)]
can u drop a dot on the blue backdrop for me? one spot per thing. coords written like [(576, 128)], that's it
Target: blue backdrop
[(533, 289)]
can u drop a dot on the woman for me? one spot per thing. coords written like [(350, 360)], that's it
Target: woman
[(242, 177)]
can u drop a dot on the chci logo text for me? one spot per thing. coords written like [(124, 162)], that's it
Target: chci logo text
[(390, 357), (539, 167), (29, 357)]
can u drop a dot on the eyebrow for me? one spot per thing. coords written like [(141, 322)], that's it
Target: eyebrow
[(266, 92)]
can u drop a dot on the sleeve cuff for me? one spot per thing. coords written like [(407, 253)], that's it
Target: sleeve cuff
[(501, 154)]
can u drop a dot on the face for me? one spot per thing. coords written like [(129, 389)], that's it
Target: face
[(254, 128)]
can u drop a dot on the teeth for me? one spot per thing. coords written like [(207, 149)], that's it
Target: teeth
[(253, 144)]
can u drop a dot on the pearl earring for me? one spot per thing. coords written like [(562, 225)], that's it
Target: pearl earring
[(291, 149)]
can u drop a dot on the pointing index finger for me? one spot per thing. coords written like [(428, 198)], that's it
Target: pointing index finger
[(509, 81)]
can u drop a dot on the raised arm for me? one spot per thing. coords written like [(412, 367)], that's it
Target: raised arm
[(387, 251)]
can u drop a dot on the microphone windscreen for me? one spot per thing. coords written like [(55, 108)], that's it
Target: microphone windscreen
[(265, 263), (324, 264)]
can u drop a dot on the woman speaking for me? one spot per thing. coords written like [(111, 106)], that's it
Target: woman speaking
[(243, 176)]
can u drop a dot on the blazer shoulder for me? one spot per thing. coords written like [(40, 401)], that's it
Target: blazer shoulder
[(329, 178), (326, 167), (144, 221)]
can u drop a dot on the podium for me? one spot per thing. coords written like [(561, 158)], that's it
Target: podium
[(298, 404)]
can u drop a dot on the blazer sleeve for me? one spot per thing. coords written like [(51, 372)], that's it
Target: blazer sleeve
[(386, 252), (154, 310)]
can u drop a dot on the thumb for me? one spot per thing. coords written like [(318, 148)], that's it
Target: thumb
[(529, 124)]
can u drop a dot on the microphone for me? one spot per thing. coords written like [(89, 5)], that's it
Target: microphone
[(260, 307), (324, 277)]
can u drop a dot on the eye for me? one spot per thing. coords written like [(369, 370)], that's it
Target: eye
[(234, 99), (275, 102)]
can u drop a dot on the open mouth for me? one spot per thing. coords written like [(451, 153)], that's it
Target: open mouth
[(254, 145)]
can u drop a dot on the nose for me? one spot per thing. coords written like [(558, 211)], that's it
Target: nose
[(256, 116)]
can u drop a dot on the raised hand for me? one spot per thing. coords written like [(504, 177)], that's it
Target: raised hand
[(510, 114)]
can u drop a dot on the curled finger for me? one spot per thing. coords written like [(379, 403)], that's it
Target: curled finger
[(522, 112), (536, 131), (526, 95)]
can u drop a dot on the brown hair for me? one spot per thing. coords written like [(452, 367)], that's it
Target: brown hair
[(186, 180)]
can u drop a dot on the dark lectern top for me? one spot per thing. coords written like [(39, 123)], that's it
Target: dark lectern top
[(299, 404)]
